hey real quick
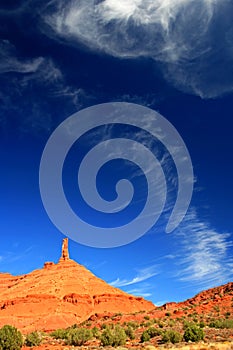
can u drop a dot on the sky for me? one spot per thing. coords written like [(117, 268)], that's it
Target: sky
[(172, 56)]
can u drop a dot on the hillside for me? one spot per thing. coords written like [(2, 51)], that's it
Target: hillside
[(59, 295)]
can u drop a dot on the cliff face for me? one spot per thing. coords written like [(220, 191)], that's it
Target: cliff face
[(60, 295), (214, 302)]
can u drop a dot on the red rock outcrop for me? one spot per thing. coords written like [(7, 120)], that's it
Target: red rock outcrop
[(60, 295), (65, 252), (215, 301)]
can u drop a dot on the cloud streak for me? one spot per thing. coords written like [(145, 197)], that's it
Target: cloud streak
[(205, 259), (142, 275), (26, 74), (139, 292), (191, 41), (10, 63)]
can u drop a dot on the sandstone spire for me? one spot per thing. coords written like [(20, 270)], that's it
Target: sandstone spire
[(65, 252)]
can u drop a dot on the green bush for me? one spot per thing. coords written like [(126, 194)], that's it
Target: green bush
[(10, 338), (153, 332), (202, 324), (33, 339), (95, 332), (133, 324), (113, 337), (148, 323), (104, 326), (130, 332), (106, 337), (221, 324), (75, 325), (170, 336), (59, 334), (145, 336), (193, 333), (171, 323), (150, 333), (78, 336)]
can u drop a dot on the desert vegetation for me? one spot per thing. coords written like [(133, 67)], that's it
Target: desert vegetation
[(190, 332)]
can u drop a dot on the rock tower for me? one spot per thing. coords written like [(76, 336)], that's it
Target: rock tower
[(60, 295), (65, 251)]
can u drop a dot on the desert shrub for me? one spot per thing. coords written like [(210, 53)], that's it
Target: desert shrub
[(148, 323), (75, 325), (153, 332), (202, 324), (119, 336), (145, 336), (104, 326), (146, 317), (113, 337), (216, 308), (170, 336), (95, 332), (150, 333), (106, 337), (193, 333), (221, 324), (59, 334), (228, 323), (33, 339), (172, 323), (10, 338), (78, 336), (133, 324), (130, 332)]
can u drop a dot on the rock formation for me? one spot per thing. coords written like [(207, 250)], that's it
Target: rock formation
[(65, 252), (60, 295)]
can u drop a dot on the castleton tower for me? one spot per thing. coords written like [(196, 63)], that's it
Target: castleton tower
[(65, 251)]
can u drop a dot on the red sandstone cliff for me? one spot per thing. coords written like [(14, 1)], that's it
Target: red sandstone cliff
[(60, 295)]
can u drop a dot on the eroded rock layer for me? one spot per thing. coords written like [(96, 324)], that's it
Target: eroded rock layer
[(60, 295)]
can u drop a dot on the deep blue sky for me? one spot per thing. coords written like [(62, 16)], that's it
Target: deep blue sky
[(57, 59)]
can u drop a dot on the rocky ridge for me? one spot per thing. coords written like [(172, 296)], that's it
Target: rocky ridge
[(59, 295)]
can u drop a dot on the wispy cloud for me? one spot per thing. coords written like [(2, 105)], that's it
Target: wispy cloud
[(177, 34), (160, 302), (139, 292), (26, 74), (142, 275), (11, 257), (205, 258), (9, 62)]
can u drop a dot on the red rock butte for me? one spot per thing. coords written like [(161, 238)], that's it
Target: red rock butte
[(59, 295)]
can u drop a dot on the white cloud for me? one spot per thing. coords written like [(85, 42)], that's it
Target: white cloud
[(177, 34), (205, 260), (40, 69), (139, 292), (142, 275), (10, 257), (10, 63), (160, 302), (25, 73)]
